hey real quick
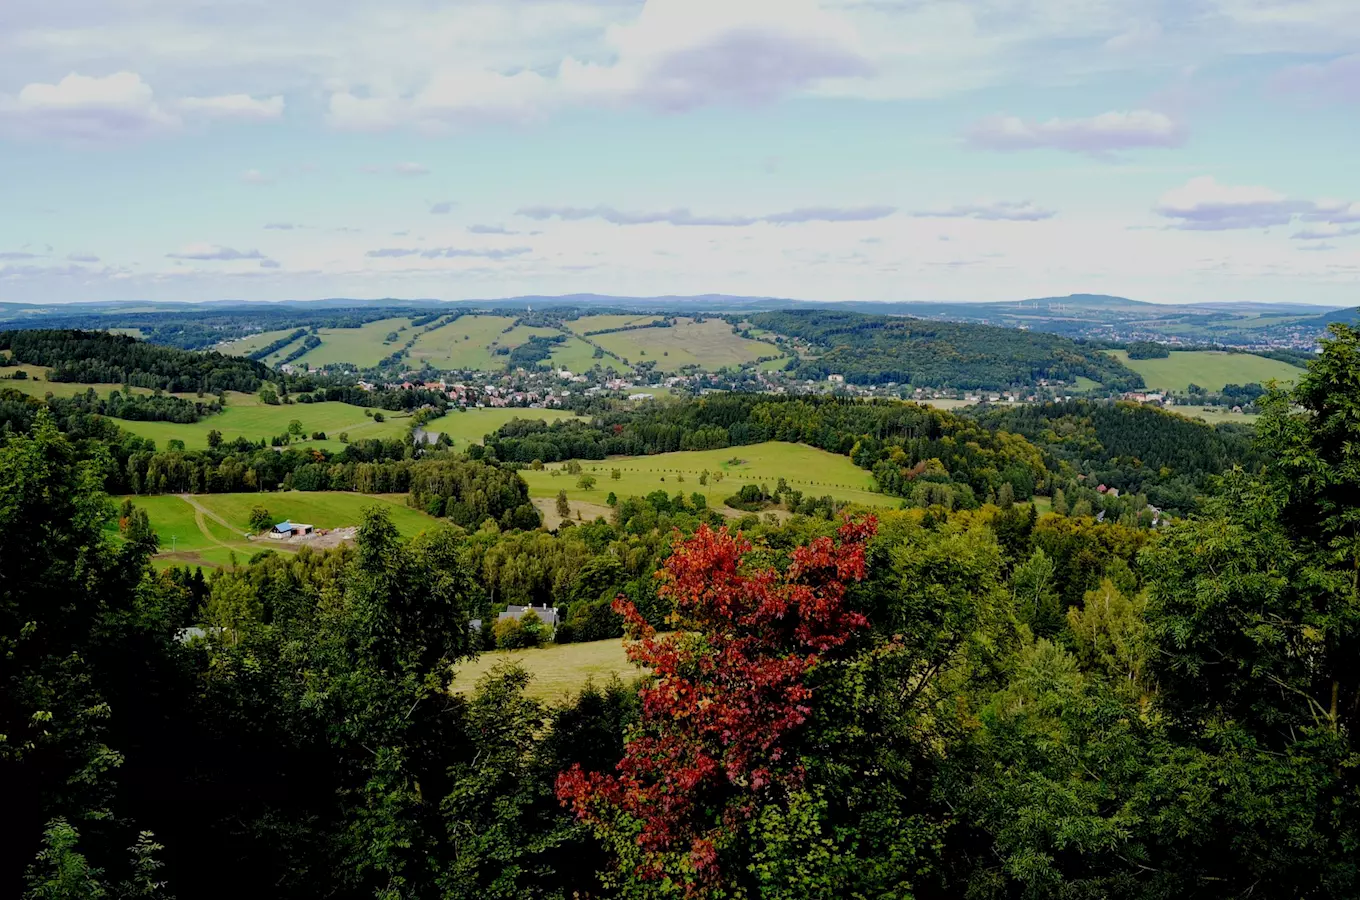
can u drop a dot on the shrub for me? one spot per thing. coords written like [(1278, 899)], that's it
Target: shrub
[(260, 519)]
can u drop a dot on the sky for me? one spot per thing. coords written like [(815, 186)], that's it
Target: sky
[(1164, 150)]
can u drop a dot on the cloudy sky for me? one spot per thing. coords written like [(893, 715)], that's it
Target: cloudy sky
[(1166, 150)]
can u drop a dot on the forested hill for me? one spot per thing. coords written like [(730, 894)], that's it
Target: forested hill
[(1127, 446), (99, 357), (880, 349)]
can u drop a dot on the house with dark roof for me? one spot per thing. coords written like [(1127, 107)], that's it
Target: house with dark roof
[(547, 614)]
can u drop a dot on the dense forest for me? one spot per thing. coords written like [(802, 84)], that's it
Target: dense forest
[(870, 349), (926, 703), (102, 358)]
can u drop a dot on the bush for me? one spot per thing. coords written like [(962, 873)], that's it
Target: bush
[(526, 631), (260, 519), (594, 621)]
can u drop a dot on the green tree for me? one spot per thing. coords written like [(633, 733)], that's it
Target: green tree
[(586, 482), (563, 506)]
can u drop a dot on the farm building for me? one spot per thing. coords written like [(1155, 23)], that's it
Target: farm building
[(290, 529)]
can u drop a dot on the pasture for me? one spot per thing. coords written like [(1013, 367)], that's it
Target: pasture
[(812, 471), (207, 529), (710, 344), (244, 416), (364, 346), (463, 344), (1210, 369), (558, 670), (587, 324), (249, 344), (469, 426)]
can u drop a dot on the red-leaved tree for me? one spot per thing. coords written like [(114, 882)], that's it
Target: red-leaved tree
[(721, 718)]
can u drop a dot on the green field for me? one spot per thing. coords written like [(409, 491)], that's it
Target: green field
[(558, 671), (363, 346), (463, 344), (1210, 369), (248, 345), (206, 529), (1215, 415), (710, 344), (586, 324), (37, 385), (254, 420), (774, 365), (812, 471), (470, 426), (576, 356)]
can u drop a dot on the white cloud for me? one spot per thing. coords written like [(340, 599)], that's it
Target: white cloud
[(255, 176), (214, 252), (410, 168), (81, 107), (241, 107), (1202, 204), (1098, 135), (995, 211)]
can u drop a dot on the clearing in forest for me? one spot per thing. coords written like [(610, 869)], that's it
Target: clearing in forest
[(207, 529), (558, 670), (710, 344), (815, 472)]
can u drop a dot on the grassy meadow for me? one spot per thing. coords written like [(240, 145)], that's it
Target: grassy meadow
[(812, 471), (471, 425), (558, 670), (587, 324), (1210, 369), (249, 344), (363, 346), (710, 344)]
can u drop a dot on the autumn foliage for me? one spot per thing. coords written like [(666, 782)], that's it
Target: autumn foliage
[(722, 715)]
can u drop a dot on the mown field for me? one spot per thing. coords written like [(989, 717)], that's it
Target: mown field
[(245, 416), (471, 425), (1210, 369), (471, 342), (587, 324), (812, 471), (248, 345), (558, 671), (363, 346), (207, 529), (710, 344), (37, 385)]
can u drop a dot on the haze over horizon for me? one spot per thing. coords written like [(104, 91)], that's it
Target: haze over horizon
[(819, 149)]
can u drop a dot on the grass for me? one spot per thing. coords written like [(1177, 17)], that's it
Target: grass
[(249, 344), (1210, 369), (812, 471), (710, 344), (587, 324), (1086, 384), (463, 344), (559, 670), (774, 365), (37, 385), (470, 426), (207, 529), (363, 346), (575, 355), (256, 421), (1215, 415)]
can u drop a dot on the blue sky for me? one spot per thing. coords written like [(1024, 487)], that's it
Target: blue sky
[(1179, 151)]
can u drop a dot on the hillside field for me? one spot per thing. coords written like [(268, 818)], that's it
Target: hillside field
[(470, 342), (469, 426), (245, 416), (812, 471), (1210, 369), (206, 529), (587, 324), (249, 344), (558, 670), (363, 346), (710, 344)]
